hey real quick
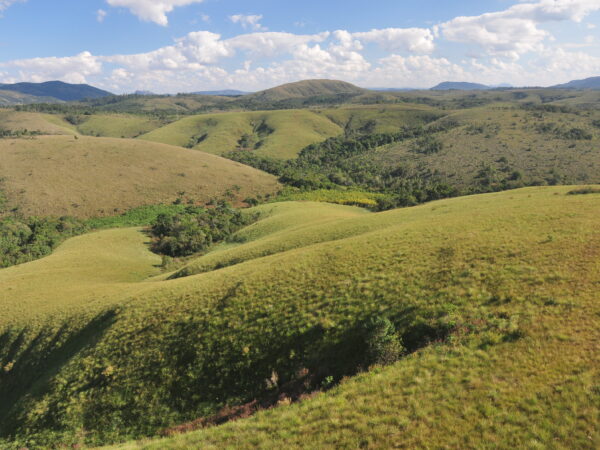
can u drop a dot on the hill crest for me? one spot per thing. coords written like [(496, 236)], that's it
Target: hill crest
[(587, 83), (307, 88)]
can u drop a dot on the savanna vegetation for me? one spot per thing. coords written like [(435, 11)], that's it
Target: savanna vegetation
[(451, 293), (89, 177), (141, 301)]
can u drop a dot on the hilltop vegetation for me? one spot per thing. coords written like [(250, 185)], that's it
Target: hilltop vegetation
[(497, 314), (85, 177), (305, 89)]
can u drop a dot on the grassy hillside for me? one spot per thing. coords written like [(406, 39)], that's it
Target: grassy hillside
[(494, 296), (44, 123), (306, 88), (380, 118), (84, 177), (118, 125), (498, 142), (158, 104), (280, 134)]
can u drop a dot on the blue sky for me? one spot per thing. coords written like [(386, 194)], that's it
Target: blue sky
[(185, 45)]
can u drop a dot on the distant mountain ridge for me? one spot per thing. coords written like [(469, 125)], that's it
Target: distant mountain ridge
[(587, 83), (57, 89), (459, 86)]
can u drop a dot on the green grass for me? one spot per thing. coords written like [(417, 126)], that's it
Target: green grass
[(285, 132), (119, 352), (341, 197), (137, 217)]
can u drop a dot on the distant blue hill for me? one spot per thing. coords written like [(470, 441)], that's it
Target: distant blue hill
[(57, 89), (459, 86), (588, 83)]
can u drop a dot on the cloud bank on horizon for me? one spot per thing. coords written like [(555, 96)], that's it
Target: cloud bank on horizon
[(521, 44)]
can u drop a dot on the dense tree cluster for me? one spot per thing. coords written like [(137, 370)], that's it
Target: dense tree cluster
[(338, 163), (23, 240), (195, 229)]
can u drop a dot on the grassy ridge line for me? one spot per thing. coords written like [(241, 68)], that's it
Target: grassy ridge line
[(523, 260)]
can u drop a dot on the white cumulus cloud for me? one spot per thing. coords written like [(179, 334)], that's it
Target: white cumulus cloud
[(515, 31), (417, 40), (72, 69), (251, 21), (152, 10)]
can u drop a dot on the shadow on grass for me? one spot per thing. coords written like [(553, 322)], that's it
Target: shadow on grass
[(28, 373)]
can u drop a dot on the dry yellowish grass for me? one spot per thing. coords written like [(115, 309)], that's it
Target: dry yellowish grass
[(487, 134), (118, 125), (60, 175), (44, 123)]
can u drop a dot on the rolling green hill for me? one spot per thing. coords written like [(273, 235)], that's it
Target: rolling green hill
[(494, 296), (85, 177), (281, 134), (305, 89)]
